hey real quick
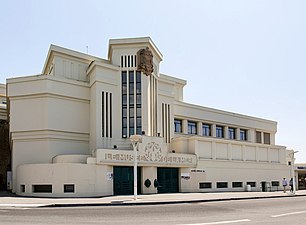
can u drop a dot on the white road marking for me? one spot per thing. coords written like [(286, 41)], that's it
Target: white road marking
[(220, 222), (288, 214)]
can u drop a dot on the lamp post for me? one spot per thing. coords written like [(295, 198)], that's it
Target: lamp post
[(292, 170), (135, 139)]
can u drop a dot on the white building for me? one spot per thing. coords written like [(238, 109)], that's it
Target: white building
[(70, 129)]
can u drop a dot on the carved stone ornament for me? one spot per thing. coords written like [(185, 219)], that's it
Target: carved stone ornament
[(145, 61)]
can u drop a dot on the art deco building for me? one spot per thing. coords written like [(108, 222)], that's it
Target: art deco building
[(71, 129)]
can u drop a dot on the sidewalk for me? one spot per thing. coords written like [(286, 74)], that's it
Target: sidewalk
[(29, 202)]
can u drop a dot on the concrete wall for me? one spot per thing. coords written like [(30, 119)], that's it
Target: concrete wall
[(89, 180)]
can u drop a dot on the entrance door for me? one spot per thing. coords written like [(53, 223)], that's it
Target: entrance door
[(263, 186), (167, 180), (124, 180)]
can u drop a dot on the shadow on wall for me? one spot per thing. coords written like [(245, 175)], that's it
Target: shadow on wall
[(5, 154)]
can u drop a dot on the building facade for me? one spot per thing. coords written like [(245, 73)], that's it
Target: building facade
[(71, 127)]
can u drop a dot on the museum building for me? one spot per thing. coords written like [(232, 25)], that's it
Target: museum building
[(71, 125)]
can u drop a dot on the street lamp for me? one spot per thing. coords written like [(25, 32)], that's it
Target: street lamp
[(135, 139), (292, 170)]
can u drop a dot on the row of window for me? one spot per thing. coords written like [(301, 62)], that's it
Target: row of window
[(208, 185), (47, 188), (207, 130), (261, 137)]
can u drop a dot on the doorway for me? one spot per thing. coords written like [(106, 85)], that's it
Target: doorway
[(168, 181), (124, 180)]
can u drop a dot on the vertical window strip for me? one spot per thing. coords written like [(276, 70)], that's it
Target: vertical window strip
[(125, 61), (110, 116), (128, 61), (168, 127), (102, 114), (163, 120), (106, 113), (121, 63)]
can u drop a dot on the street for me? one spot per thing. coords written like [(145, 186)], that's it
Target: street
[(262, 211)]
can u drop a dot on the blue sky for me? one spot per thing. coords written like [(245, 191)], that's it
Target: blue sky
[(247, 57)]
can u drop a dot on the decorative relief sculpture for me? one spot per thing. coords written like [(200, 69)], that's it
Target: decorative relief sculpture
[(145, 61), (153, 152)]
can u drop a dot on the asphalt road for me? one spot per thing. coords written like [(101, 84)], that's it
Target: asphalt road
[(291, 211)]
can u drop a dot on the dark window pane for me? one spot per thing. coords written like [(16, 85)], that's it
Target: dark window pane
[(221, 184), (124, 122), (237, 184), (138, 112), (138, 122), (68, 188), (138, 88), (131, 88), (124, 89), (124, 112), (132, 112), (131, 76), (231, 133), (138, 77), (206, 130), (253, 184), (131, 99), (178, 126), (205, 185), (219, 132), (124, 77), (124, 100), (138, 99), (192, 127), (243, 135), (132, 131), (139, 130), (131, 122), (266, 138)]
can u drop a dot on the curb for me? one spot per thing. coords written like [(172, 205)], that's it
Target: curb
[(122, 203)]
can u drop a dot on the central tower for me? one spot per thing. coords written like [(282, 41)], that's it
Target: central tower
[(138, 59)]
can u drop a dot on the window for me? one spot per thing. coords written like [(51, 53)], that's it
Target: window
[(206, 130), (243, 135), (266, 138), (205, 185), (68, 188), (231, 133), (219, 132), (22, 188), (237, 184), (131, 102), (275, 183), (258, 137), (42, 188), (192, 127), (221, 184), (253, 184), (177, 126)]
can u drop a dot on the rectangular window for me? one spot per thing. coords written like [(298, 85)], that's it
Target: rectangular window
[(219, 132), (42, 188), (177, 126), (206, 129), (205, 185), (237, 184), (22, 188), (231, 133), (258, 137), (275, 183), (192, 127), (221, 184), (266, 138), (68, 188), (243, 135), (253, 184)]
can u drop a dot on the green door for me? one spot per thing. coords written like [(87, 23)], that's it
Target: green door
[(124, 180), (167, 180)]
